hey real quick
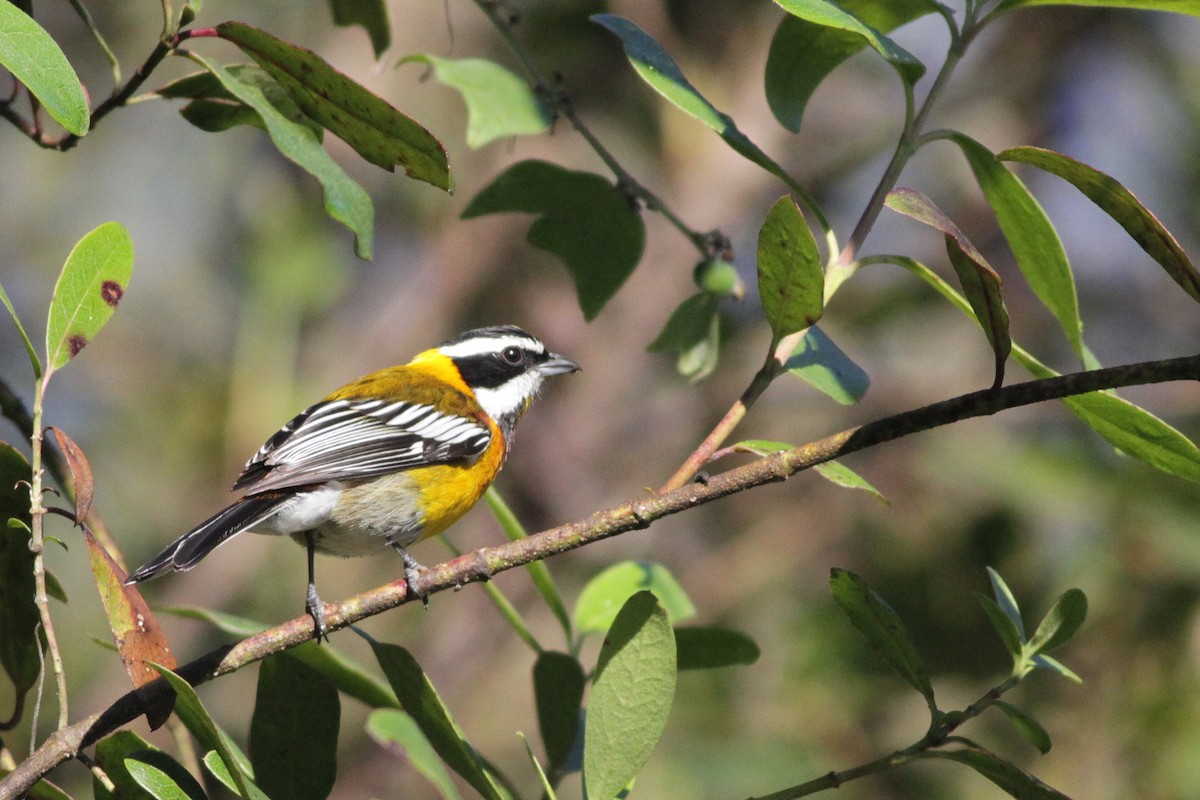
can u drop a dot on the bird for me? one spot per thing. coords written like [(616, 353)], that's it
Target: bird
[(387, 460)]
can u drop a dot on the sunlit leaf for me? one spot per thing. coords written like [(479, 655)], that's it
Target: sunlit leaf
[(538, 572), (1010, 636), (632, 692), (837, 473), (791, 283), (399, 734), (1053, 665), (377, 131), (1191, 7), (92, 283), (605, 594), (138, 769), (214, 108), (294, 730), (819, 362), (345, 200), (979, 281), (1120, 204), (34, 59), (582, 218), (499, 104), (882, 629), (804, 52)]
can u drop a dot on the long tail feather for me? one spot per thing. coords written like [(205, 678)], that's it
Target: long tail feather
[(187, 551)]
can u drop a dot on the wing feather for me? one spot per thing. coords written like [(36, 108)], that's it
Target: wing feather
[(359, 439)]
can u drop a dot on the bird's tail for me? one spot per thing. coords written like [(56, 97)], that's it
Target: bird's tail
[(187, 551)]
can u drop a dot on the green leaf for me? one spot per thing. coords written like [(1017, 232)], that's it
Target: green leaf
[(34, 59), (1030, 235), (631, 696), (91, 284), (1006, 602), (1046, 662), (657, 68), (547, 788), (220, 770), (345, 200), (370, 14), (1060, 624), (140, 770), (693, 332), (1028, 727), (1010, 636), (819, 362), (213, 108), (1008, 776), (841, 475), (605, 594), (979, 281), (1191, 7), (34, 361), (377, 131), (538, 571), (804, 52), (197, 720), (420, 699), (20, 645), (398, 733), (558, 683), (791, 284), (294, 730), (712, 647), (582, 218), (499, 104), (1120, 204), (882, 628)]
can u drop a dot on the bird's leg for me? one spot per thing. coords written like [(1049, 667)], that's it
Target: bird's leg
[(412, 571), (312, 602)]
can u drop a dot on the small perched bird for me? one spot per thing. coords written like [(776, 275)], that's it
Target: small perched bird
[(387, 460)]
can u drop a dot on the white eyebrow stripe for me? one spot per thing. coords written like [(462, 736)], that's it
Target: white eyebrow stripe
[(482, 345)]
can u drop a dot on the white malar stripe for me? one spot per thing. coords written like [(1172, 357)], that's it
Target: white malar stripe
[(490, 344), (511, 397)]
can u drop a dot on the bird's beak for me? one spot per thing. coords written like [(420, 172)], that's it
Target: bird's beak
[(557, 365)]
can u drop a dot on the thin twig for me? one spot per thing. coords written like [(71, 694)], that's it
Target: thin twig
[(636, 514)]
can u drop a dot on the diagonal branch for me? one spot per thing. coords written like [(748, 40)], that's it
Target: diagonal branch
[(635, 514)]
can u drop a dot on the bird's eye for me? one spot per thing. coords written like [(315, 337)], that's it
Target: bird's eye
[(512, 355)]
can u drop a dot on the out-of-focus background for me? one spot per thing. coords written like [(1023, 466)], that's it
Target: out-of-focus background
[(247, 304)]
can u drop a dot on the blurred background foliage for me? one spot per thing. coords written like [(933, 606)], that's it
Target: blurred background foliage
[(247, 303)]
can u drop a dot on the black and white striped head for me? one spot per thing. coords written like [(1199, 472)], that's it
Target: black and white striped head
[(505, 368)]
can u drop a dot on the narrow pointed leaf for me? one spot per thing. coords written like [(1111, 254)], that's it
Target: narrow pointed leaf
[(399, 734), (710, 647), (83, 483), (420, 699), (1060, 624), (294, 730), (582, 218), (210, 736), (370, 14), (819, 362), (882, 628), (537, 570), (804, 52), (128, 760), (979, 281), (547, 789), (20, 645), (839, 474), (837, 16), (1008, 776), (1028, 727), (34, 59), (34, 361), (150, 772), (1054, 665), (1006, 602), (558, 683), (791, 283), (92, 282), (499, 104), (1009, 635), (631, 696), (214, 108), (1120, 204), (377, 131), (1034, 242), (219, 769), (605, 594), (345, 200), (1191, 7)]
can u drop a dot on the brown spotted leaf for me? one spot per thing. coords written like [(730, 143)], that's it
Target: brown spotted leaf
[(979, 281), (139, 639), (91, 284), (377, 131), (81, 473)]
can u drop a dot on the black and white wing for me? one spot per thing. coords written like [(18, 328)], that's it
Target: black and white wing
[(357, 439)]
